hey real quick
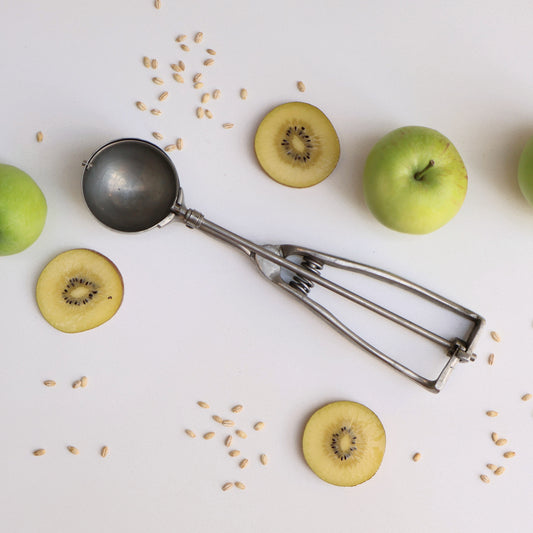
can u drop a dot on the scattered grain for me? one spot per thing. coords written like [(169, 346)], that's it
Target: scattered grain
[(243, 463), (501, 442), (198, 85), (228, 440), (241, 433), (484, 478), (203, 405), (228, 423), (259, 426), (228, 125), (76, 384), (227, 486), (163, 96), (495, 336), (494, 436), (208, 113), (209, 435), (235, 453), (170, 147), (491, 359), (175, 67), (264, 459), (499, 471), (181, 64), (73, 450), (217, 94), (157, 80), (205, 98), (236, 408), (178, 78), (156, 112), (211, 52), (416, 457), (184, 47), (301, 86), (492, 467), (492, 413), (146, 62), (84, 381), (104, 452), (154, 64), (181, 38), (208, 62), (198, 37), (49, 383), (157, 135), (244, 94), (39, 136), (200, 112), (157, 4), (140, 106), (217, 418), (508, 455), (191, 433), (179, 143), (527, 397), (40, 451), (240, 485)]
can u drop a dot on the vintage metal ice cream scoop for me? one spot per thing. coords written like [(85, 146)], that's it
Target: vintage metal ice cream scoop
[(132, 185)]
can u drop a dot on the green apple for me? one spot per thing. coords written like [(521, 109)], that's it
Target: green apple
[(22, 210), (414, 180), (525, 171)]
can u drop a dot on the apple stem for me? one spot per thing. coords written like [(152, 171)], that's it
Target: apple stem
[(419, 175)]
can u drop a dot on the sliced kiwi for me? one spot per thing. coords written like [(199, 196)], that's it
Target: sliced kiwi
[(343, 443), (79, 290), (297, 145)]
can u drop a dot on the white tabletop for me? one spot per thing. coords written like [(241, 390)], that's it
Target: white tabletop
[(199, 323)]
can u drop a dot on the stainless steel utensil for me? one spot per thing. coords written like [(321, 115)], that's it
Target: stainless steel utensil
[(132, 185)]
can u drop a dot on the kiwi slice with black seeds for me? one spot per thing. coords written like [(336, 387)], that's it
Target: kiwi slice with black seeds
[(344, 443), (297, 145)]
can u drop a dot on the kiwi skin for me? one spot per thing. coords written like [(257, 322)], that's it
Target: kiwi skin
[(296, 145)]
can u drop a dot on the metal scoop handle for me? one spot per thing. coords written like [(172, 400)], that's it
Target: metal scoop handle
[(271, 259)]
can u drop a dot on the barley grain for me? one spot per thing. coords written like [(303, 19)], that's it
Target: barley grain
[(241, 433), (198, 37), (228, 125), (491, 359), (492, 413), (228, 423), (146, 62), (217, 418), (501, 442), (527, 397), (301, 86), (140, 106), (205, 98), (499, 471), (156, 112), (191, 433), (157, 135), (179, 143), (84, 381), (157, 80), (508, 455), (236, 408), (243, 463), (178, 78), (264, 459), (209, 435), (484, 478), (39, 452), (240, 485), (200, 112), (203, 405), (163, 96), (181, 38), (244, 94), (209, 62), (217, 94), (259, 426), (198, 85), (181, 64), (170, 147), (175, 67), (227, 486), (154, 63), (76, 384), (208, 113), (235, 453), (211, 52), (495, 336), (39, 136), (228, 440), (416, 457), (104, 452), (197, 77), (49, 383), (184, 47), (494, 436), (73, 450), (157, 4), (492, 467)]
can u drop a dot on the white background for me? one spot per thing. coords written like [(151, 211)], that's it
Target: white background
[(199, 323)]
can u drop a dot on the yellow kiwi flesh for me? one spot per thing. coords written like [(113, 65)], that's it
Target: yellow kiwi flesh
[(297, 145), (79, 290), (344, 443)]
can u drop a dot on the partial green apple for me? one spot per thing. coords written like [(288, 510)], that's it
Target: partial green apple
[(414, 180), (22, 210), (525, 171)]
